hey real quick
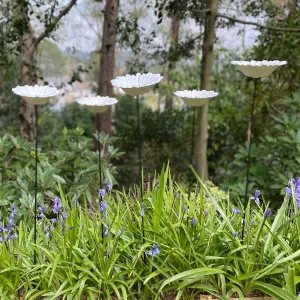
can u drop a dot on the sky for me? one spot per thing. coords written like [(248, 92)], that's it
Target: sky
[(82, 28)]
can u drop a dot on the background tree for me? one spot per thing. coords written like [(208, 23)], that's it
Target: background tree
[(107, 60), (25, 44)]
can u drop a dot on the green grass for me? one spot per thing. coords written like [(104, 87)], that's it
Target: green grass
[(201, 259)]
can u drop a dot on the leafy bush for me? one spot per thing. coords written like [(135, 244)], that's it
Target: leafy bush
[(275, 156), (166, 137), (192, 246), (72, 162)]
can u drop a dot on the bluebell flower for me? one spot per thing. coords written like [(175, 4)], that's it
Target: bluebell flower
[(42, 208), (256, 197), (90, 211), (104, 216), (194, 221), (103, 206), (2, 229), (289, 191), (57, 205), (107, 184), (107, 253), (268, 213), (53, 220), (102, 193), (155, 251), (106, 233), (205, 212), (293, 214), (64, 214), (236, 211), (41, 215), (1, 239), (143, 209), (252, 223), (121, 232), (235, 234)]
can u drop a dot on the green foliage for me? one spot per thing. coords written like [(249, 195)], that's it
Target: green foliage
[(166, 137), (71, 161), (275, 156), (204, 258)]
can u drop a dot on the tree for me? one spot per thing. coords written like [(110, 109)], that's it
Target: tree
[(175, 26), (205, 84), (107, 60), (28, 46)]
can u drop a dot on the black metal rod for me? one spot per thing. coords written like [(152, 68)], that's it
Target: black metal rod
[(35, 181), (192, 148), (249, 155), (140, 138), (100, 171)]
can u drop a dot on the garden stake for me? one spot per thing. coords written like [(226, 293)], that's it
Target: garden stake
[(35, 182), (139, 129), (192, 148), (249, 155), (100, 172)]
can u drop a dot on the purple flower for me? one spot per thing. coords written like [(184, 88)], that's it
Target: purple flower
[(155, 251), (64, 214), (268, 213), (235, 234), (236, 211), (75, 201), (143, 209), (53, 220), (293, 214), (41, 215), (90, 211), (106, 233), (288, 191), (42, 208), (102, 193), (2, 229), (107, 253), (194, 221), (256, 197), (107, 184), (205, 212), (103, 206), (57, 205), (252, 223), (120, 232), (1, 239)]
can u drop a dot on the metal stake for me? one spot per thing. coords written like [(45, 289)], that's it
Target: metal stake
[(100, 171), (139, 129), (36, 181), (249, 155), (192, 147)]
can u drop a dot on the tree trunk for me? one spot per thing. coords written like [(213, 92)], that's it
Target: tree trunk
[(205, 84), (29, 77), (107, 60), (175, 25)]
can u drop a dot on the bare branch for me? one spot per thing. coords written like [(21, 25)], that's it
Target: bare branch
[(258, 25), (56, 20)]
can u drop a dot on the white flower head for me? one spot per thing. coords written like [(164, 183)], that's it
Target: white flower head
[(138, 84), (257, 69), (195, 98), (97, 104), (36, 94)]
